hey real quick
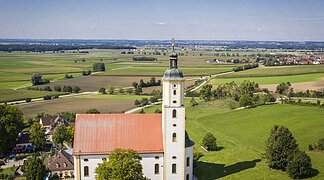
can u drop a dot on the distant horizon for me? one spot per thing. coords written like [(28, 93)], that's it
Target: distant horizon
[(117, 39)]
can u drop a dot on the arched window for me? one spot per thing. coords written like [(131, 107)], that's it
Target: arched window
[(174, 137), (174, 113), (187, 177), (188, 161), (104, 159), (174, 168), (174, 92), (86, 171), (156, 169)]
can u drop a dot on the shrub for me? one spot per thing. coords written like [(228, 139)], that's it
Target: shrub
[(142, 111), (209, 142), (102, 90), (20, 157), (98, 67), (76, 89), (299, 165), (28, 100), (47, 88), (319, 144), (47, 97), (157, 111), (58, 88), (197, 155)]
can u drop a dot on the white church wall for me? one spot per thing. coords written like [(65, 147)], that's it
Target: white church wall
[(148, 162), (189, 169)]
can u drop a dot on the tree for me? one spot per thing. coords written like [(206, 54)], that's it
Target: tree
[(59, 135), (68, 116), (209, 142), (98, 67), (142, 111), (102, 90), (34, 168), (76, 89), (279, 145), (123, 164), (11, 124), (246, 100), (205, 92), (70, 135), (92, 111), (58, 88), (129, 91), (36, 79), (193, 102), (299, 165), (37, 136), (111, 90), (135, 84)]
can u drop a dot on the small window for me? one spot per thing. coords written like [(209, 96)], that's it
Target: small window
[(188, 161), (174, 101), (86, 171), (65, 165), (104, 159), (86, 160), (187, 177), (174, 113), (156, 169), (174, 85), (174, 125), (174, 137), (174, 168), (57, 165), (157, 157), (174, 157), (174, 92)]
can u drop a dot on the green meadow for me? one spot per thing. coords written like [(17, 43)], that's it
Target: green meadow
[(22, 94), (241, 134)]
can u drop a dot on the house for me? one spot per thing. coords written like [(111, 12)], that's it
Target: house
[(23, 139), (215, 61), (50, 123), (61, 164), (160, 139)]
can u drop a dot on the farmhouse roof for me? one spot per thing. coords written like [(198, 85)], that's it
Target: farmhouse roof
[(46, 121), (102, 133), (61, 161)]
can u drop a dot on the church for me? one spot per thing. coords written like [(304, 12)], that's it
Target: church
[(160, 139)]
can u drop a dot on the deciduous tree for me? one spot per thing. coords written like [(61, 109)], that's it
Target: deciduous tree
[(37, 136)]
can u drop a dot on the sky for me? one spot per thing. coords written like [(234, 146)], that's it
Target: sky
[(293, 20)]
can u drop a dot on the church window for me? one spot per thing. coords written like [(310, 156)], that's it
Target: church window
[(188, 161), (174, 101), (174, 168), (157, 157), (86, 171), (174, 137), (174, 157), (104, 159), (86, 160), (187, 177), (156, 169), (174, 92), (174, 125), (174, 113), (174, 85)]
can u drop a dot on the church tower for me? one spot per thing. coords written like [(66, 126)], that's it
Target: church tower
[(173, 121)]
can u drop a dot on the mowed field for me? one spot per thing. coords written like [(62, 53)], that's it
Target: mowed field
[(242, 135), (80, 104), (21, 94)]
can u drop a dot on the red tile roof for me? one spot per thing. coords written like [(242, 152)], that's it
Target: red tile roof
[(102, 133)]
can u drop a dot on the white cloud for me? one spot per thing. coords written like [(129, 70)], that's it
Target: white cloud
[(161, 23)]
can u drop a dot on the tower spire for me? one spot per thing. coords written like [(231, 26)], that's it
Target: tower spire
[(173, 57)]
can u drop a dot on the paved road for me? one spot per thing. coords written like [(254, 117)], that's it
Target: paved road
[(13, 163)]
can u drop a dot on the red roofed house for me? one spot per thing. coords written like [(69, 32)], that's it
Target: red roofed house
[(160, 139)]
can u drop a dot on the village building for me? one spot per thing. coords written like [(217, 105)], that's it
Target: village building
[(61, 164), (160, 139), (50, 123)]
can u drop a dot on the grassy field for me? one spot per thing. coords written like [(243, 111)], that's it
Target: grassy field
[(270, 79), (80, 104), (21, 94), (242, 135)]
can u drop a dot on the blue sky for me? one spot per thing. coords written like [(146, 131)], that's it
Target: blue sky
[(151, 19)]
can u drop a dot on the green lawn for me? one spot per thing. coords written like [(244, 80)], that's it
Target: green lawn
[(242, 135), (271, 79)]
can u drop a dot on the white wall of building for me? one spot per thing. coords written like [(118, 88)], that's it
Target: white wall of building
[(189, 169), (148, 163)]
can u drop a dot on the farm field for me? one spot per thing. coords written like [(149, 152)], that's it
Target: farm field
[(80, 104), (242, 135), (22, 94), (270, 79), (278, 71), (93, 83)]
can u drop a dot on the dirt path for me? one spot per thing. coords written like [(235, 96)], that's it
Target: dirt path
[(303, 86)]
